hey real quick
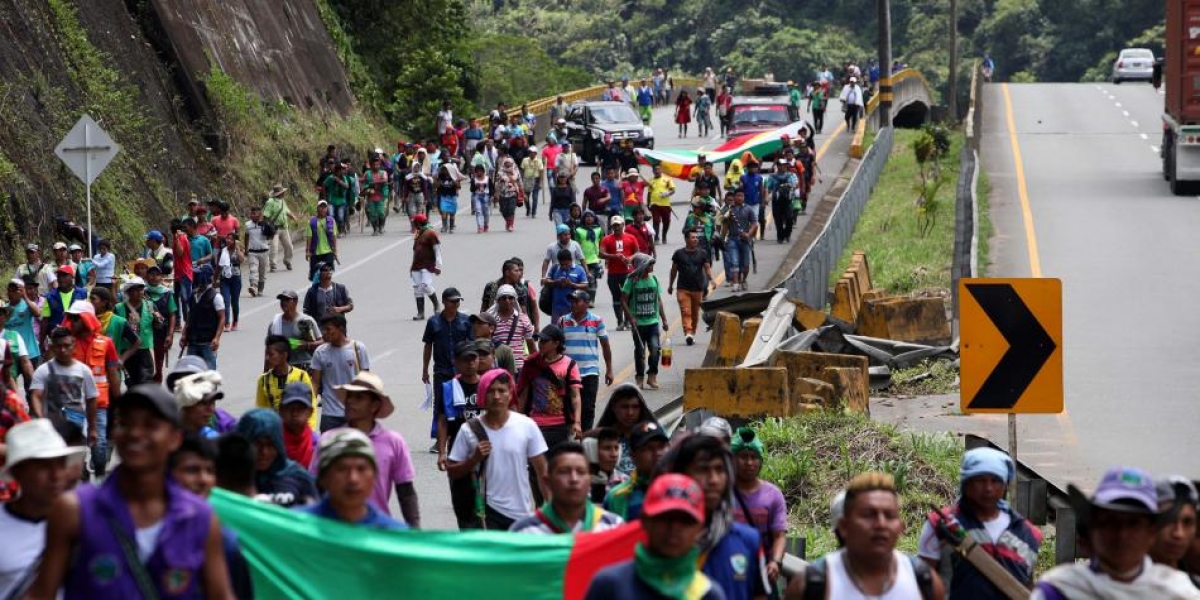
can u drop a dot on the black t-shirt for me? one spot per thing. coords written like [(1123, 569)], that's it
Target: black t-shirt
[(691, 269), (561, 198), (472, 410)]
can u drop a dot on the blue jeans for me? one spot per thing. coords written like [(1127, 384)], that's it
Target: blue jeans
[(183, 295), (645, 336), (231, 291), (483, 209), (560, 215), (340, 214), (737, 255), (101, 452), (204, 351)]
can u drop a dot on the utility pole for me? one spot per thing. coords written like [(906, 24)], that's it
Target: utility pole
[(885, 63), (954, 61)]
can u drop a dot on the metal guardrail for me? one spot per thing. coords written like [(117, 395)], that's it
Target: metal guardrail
[(966, 203), (809, 280)]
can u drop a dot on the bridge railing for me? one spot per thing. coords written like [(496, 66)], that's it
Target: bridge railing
[(908, 85)]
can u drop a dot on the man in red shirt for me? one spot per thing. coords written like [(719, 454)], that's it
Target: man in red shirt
[(224, 222), (181, 250), (617, 250)]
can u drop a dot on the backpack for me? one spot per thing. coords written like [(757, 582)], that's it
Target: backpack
[(268, 230), (816, 579)]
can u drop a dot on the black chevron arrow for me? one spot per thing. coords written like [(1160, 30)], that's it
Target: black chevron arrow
[(1029, 346)]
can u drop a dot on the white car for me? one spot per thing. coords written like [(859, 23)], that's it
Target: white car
[(1133, 63)]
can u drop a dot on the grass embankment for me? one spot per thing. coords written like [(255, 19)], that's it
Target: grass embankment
[(812, 456), (275, 142), (903, 258)]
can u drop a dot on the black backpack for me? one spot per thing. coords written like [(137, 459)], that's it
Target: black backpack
[(816, 579)]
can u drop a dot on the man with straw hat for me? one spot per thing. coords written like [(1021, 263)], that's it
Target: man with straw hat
[(276, 212)]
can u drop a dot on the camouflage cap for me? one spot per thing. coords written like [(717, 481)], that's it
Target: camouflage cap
[(344, 442)]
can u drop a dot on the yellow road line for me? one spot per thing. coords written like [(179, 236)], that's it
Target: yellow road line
[(1035, 263), (720, 278)]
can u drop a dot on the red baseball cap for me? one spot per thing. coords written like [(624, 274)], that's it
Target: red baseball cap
[(420, 219), (68, 269), (674, 491)]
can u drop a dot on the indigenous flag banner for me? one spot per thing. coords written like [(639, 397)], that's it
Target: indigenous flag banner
[(295, 555), (680, 163)]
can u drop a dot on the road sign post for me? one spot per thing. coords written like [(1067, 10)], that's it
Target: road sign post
[(86, 150), (1011, 349)]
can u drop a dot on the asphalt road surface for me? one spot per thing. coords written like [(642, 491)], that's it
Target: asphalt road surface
[(376, 271), (1100, 217)]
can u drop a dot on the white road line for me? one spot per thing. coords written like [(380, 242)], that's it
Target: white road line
[(1134, 123), (1125, 112), (340, 271), (1154, 149), (1118, 104), (1144, 136), (1100, 88)]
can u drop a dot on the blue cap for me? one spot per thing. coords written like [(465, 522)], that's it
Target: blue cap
[(561, 228), (297, 392), (155, 235)]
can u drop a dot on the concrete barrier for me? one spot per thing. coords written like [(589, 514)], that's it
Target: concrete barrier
[(915, 320), (726, 341), (750, 329), (813, 391), (807, 317), (739, 393), (850, 387), (811, 365)]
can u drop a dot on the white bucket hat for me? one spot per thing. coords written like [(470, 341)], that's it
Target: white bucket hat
[(34, 440)]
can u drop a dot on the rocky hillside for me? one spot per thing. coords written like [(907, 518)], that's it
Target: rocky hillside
[(207, 97)]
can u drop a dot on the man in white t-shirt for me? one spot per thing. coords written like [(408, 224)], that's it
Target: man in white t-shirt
[(511, 443), (37, 460)]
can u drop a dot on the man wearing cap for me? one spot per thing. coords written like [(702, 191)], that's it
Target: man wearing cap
[(301, 330), (1177, 498), (569, 508), (296, 411), (641, 300), (59, 299), (647, 445), (142, 317), (366, 405), (322, 239), (204, 323), (99, 525), (703, 219), (1010, 539), (156, 249), (339, 190), (586, 337), (85, 269), (562, 241), (514, 328), (426, 264), (1121, 519), (443, 332), (564, 277), (36, 458), (664, 566), (163, 300), (197, 395), (633, 189), (347, 471), (326, 297), (499, 448), (760, 504), (34, 267), (336, 362), (459, 404), (617, 249), (739, 228), (99, 353), (567, 163), (277, 213), (852, 102), (62, 255), (661, 189)]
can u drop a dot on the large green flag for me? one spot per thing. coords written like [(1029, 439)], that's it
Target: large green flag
[(297, 555)]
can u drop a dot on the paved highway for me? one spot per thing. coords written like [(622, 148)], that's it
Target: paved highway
[(1092, 209), (376, 271)]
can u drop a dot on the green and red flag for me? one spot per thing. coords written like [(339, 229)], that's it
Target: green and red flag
[(296, 555), (679, 163)]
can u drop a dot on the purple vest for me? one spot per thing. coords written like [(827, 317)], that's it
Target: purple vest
[(99, 569)]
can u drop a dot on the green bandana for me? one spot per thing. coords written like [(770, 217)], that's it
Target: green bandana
[(671, 577), (551, 518)]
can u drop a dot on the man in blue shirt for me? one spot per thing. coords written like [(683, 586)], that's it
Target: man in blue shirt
[(615, 200), (564, 278), (645, 101), (586, 338), (347, 471), (755, 186)]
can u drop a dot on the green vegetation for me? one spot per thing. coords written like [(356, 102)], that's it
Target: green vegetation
[(927, 378), (909, 249), (812, 456), (983, 195)]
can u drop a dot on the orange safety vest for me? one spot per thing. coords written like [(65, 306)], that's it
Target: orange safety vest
[(94, 356)]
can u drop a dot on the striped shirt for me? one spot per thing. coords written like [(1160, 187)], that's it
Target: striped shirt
[(513, 333), (583, 341)]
